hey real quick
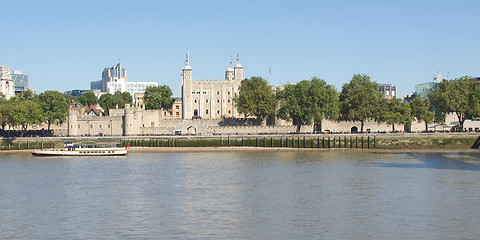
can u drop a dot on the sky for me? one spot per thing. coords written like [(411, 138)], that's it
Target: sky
[(64, 45)]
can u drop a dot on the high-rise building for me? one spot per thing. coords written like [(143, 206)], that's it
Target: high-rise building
[(6, 82), (115, 79), (388, 90), (422, 90), (20, 80)]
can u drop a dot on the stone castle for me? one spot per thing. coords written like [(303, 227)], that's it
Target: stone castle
[(210, 99), (206, 107)]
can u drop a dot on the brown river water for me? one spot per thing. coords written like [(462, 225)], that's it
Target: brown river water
[(243, 195)]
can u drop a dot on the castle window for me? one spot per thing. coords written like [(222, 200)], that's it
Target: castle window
[(193, 92), (229, 112), (218, 93), (228, 100), (198, 92), (206, 111), (218, 111), (218, 100), (108, 125), (204, 92), (228, 93), (206, 100), (195, 101)]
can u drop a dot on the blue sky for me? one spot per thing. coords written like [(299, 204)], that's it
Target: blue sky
[(64, 45)]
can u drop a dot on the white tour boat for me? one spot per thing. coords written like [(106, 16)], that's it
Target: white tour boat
[(84, 150)]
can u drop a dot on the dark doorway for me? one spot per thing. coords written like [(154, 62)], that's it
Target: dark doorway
[(354, 129)]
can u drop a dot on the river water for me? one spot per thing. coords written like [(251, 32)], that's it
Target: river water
[(243, 195)]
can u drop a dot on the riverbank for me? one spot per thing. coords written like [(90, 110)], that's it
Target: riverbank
[(261, 142)]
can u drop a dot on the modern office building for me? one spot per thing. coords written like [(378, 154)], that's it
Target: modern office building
[(96, 85), (422, 90), (388, 90), (20, 80), (6, 82), (115, 79)]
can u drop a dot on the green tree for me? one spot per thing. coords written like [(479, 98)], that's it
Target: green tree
[(421, 111), (460, 96), (26, 112), (88, 98), (54, 107), (26, 95), (296, 104), (360, 100), (158, 97), (5, 114), (71, 99), (396, 112), (325, 102), (308, 101), (127, 98), (108, 101), (255, 98)]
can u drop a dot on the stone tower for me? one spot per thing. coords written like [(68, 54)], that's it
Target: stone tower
[(72, 123), (238, 71), (230, 73), (186, 89)]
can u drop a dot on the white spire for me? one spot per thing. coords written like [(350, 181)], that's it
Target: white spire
[(230, 68), (238, 65), (187, 66)]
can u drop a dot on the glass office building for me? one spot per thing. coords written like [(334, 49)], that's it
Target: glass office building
[(20, 80)]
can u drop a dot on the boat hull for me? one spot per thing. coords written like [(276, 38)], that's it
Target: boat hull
[(85, 152)]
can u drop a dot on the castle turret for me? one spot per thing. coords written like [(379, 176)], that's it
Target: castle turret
[(229, 74), (238, 71), (130, 122), (72, 123), (187, 89)]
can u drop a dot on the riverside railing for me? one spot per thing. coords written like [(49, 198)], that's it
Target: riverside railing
[(351, 142)]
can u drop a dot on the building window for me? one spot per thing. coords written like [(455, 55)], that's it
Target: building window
[(198, 92), (176, 107), (91, 126), (193, 92), (195, 101), (218, 111), (228, 100), (218, 93), (206, 100), (108, 125), (229, 112), (228, 93), (204, 92), (218, 100), (100, 126), (78, 126), (177, 113), (206, 111)]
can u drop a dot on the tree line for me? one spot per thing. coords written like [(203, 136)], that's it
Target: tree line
[(26, 109), (311, 101), (306, 102)]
